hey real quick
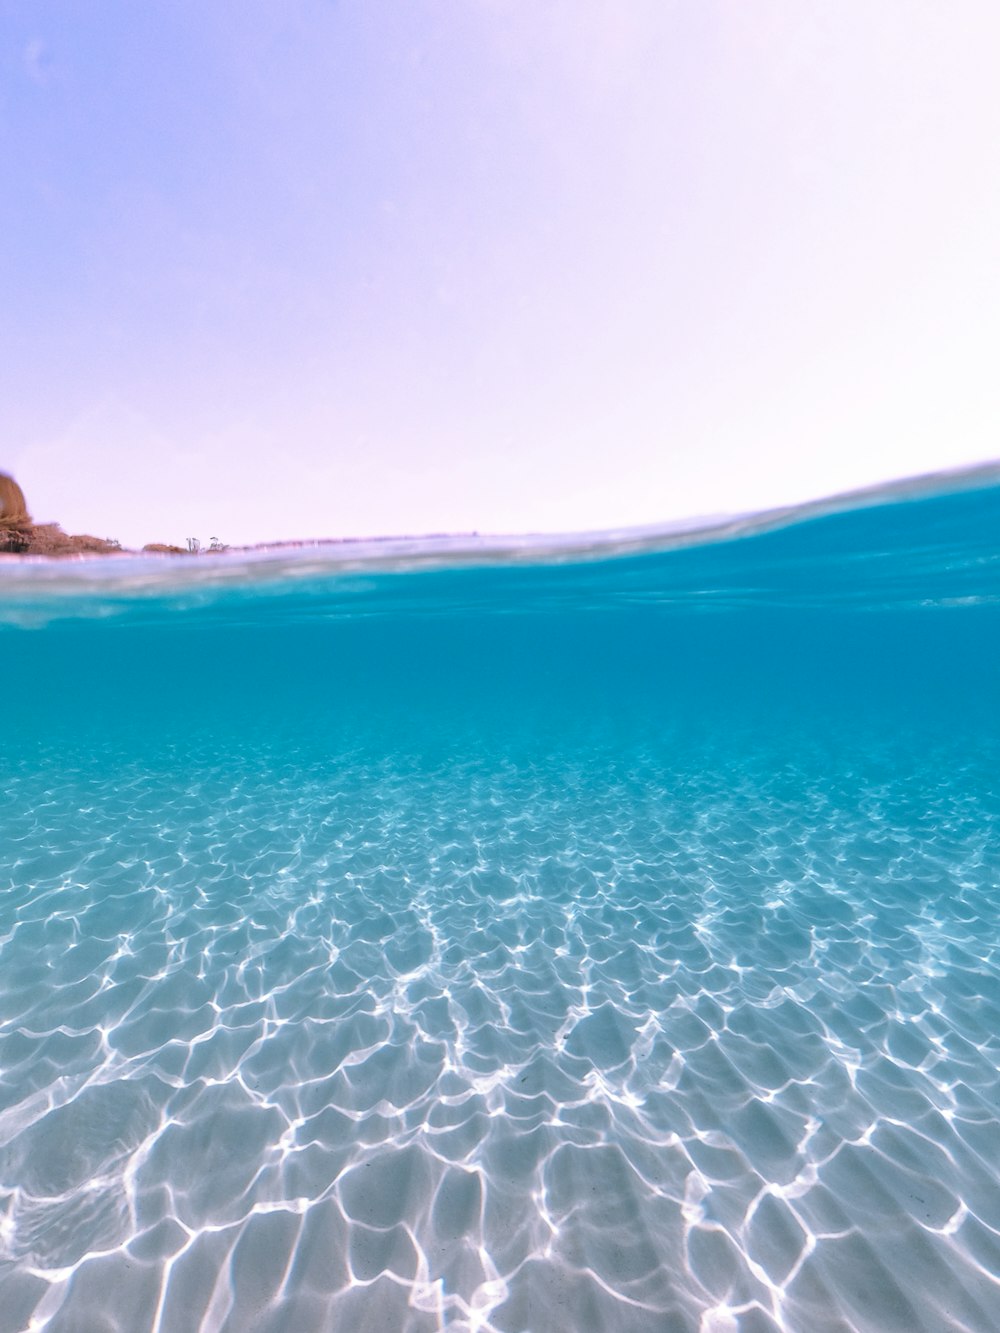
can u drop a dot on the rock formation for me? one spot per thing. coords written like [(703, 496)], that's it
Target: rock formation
[(20, 536), (13, 507)]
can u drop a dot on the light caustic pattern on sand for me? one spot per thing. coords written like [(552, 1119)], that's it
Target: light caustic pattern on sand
[(500, 1047)]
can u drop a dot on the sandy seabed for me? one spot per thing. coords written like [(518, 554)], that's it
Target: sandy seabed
[(562, 1045)]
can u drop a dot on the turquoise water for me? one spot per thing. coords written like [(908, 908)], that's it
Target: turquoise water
[(471, 936)]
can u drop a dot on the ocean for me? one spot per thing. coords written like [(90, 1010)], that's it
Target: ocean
[(510, 937)]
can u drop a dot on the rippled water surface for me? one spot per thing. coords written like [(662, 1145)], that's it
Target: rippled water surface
[(508, 944)]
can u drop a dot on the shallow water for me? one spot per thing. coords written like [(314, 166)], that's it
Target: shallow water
[(418, 941)]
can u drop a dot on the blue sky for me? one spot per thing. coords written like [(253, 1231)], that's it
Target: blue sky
[(319, 269)]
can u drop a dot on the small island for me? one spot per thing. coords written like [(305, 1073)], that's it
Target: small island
[(20, 535)]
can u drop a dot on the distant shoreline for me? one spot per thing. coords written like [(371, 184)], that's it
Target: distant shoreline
[(48, 539)]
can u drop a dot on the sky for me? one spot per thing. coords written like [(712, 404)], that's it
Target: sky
[(338, 268)]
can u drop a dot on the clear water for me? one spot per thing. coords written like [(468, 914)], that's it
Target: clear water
[(597, 939)]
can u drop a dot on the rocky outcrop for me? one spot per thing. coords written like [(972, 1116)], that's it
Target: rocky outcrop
[(20, 536), (13, 507), (49, 539)]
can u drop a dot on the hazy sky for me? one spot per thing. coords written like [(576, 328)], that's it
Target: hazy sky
[(318, 268)]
